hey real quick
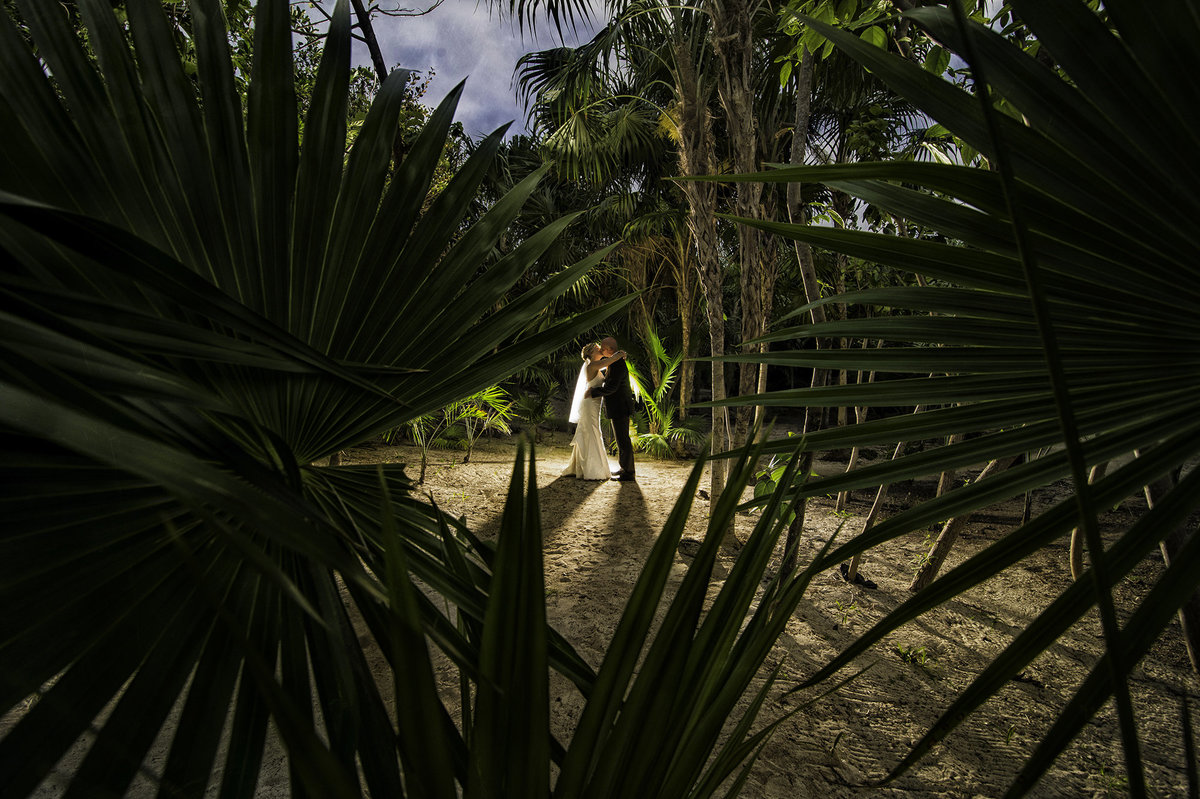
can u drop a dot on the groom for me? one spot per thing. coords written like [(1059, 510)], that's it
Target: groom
[(618, 404)]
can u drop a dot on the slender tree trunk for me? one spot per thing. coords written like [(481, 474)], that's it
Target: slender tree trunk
[(876, 507), (381, 71), (645, 282), (686, 296), (760, 419), (842, 204), (1078, 545), (860, 416), (721, 439), (947, 478), (941, 548), (687, 380), (798, 215), (843, 497), (697, 157), (795, 530), (766, 299), (368, 34), (733, 44), (1027, 509)]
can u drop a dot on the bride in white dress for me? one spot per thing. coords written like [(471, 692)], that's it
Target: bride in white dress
[(589, 459)]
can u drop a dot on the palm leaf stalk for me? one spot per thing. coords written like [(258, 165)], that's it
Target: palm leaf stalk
[(1112, 302), (195, 307)]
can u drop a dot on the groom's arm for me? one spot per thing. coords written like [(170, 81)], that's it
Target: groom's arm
[(604, 389), (612, 383)]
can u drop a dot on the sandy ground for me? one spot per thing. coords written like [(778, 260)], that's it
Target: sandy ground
[(598, 534)]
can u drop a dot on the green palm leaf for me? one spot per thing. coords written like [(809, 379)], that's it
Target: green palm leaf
[(195, 306), (1101, 216)]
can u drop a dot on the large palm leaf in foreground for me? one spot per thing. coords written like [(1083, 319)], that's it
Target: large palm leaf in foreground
[(1069, 319), (211, 628), (194, 309), (655, 721)]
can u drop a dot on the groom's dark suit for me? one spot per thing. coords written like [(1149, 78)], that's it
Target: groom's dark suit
[(618, 404)]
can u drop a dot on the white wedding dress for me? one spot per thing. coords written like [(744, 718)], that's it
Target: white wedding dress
[(589, 460)]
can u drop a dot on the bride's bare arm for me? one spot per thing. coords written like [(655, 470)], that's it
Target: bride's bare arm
[(616, 356), (596, 366)]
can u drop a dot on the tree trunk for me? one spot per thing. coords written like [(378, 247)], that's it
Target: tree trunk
[(766, 299), (876, 507), (368, 35), (1077, 542), (797, 214), (812, 423), (733, 44), (841, 309), (941, 548), (760, 420), (872, 515), (860, 416), (843, 497), (791, 544), (645, 282), (946, 480), (381, 70), (686, 297), (697, 157)]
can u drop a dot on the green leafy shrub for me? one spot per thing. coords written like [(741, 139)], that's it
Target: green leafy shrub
[(659, 430)]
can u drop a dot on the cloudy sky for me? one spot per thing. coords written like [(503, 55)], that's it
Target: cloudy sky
[(461, 39)]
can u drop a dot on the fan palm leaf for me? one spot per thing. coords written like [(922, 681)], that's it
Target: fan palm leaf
[(1066, 317), (196, 306)]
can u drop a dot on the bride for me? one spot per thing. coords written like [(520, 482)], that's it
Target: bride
[(589, 460)]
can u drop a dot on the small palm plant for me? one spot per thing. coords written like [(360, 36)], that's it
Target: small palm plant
[(660, 432), (459, 424), (535, 410), (489, 410), (427, 431)]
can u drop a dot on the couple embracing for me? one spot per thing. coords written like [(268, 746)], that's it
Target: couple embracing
[(603, 376)]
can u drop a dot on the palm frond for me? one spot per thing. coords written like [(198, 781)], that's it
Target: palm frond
[(197, 306), (1112, 291)]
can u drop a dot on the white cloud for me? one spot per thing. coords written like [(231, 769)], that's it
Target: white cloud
[(462, 39)]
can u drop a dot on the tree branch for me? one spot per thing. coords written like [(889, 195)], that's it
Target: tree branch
[(406, 12)]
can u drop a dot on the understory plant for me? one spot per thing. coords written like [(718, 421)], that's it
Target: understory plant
[(534, 409), (427, 431), (487, 411), (458, 425), (660, 431)]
